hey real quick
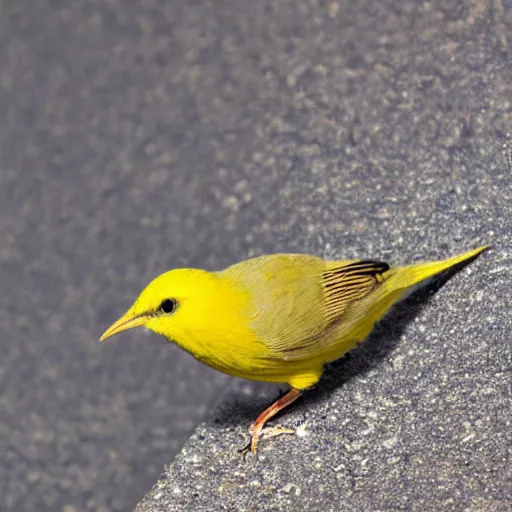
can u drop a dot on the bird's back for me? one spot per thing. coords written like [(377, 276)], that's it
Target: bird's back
[(286, 296), (297, 300)]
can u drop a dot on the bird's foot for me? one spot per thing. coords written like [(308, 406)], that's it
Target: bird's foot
[(267, 433)]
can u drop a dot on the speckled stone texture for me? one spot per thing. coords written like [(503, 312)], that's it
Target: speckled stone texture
[(380, 129), (139, 135)]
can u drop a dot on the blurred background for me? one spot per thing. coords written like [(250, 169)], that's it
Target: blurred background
[(141, 135)]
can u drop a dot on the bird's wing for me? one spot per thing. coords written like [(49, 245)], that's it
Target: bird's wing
[(298, 298), (346, 283)]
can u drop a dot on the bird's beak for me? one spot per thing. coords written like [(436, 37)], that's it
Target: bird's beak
[(127, 321)]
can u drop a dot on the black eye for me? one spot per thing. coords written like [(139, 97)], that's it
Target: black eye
[(168, 306)]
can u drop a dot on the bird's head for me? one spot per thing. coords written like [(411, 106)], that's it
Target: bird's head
[(170, 304)]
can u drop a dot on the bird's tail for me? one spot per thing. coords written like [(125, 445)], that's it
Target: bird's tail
[(399, 282), (405, 278)]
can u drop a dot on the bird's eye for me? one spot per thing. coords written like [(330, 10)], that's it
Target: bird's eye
[(168, 306)]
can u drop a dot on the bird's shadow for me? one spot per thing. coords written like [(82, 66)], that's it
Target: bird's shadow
[(238, 406)]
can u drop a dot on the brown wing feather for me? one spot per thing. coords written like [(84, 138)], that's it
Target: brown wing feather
[(349, 282)]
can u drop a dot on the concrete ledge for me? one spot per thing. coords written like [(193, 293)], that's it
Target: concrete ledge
[(417, 418)]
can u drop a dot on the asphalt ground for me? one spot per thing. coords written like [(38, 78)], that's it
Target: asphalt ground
[(143, 135)]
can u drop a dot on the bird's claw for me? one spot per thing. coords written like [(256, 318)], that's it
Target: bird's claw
[(267, 433), (276, 431), (245, 450)]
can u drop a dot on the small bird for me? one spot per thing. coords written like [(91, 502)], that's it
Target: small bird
[(277, 318)]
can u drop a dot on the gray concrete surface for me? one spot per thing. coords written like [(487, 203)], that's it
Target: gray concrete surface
[(142, 135), (363, 129)]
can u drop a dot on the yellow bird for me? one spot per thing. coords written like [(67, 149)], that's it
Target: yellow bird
[(277, 318)]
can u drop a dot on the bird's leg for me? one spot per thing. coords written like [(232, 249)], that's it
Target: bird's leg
[(256, 430)]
